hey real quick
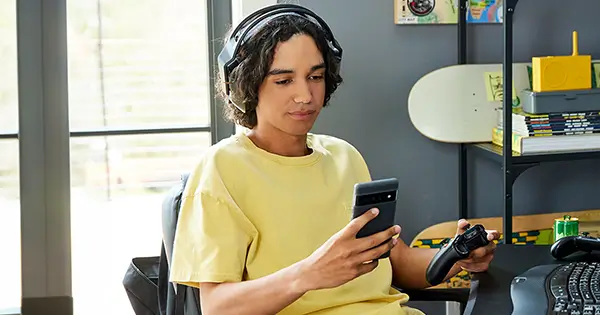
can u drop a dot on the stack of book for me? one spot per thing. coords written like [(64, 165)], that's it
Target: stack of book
[(552, 132)]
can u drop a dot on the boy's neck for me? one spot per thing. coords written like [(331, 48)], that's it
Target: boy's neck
[(279, 142)]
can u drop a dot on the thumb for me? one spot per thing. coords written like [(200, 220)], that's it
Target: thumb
[(462, 226)]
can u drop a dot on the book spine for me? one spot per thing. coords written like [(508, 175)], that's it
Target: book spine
[(548, 133)]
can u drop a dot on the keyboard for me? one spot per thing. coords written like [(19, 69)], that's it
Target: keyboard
[(565, 289)]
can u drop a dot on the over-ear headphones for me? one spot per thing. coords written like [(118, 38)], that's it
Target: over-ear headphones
[(228, 58)]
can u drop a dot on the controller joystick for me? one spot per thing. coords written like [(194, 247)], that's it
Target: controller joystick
[(568, 245), (458, 248)]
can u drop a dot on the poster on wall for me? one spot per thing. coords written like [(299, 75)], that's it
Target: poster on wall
[(426, 11), (484, 11), (446, 11)]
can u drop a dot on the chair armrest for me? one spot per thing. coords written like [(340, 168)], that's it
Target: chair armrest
[(455, 295)]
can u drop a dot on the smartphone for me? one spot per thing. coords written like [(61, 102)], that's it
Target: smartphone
[(380, 194)]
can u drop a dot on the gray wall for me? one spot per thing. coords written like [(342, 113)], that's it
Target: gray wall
[(381, 63)]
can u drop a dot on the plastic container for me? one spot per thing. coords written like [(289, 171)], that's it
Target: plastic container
[(560, 101)]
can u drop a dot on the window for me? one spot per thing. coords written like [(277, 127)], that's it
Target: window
[(10, 237), (243, 8), (139, 102)]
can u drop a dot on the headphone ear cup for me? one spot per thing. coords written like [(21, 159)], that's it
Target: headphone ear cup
[(231, 95)]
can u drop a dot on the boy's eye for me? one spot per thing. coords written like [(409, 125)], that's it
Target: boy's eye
[(283, 82), (288, 81)]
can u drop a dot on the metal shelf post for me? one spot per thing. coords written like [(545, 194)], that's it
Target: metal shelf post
[(507, 73)]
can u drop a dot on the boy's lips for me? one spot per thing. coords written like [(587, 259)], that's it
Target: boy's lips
[(301, 115)]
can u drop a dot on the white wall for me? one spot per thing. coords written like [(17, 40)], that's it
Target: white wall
[(242, 8)]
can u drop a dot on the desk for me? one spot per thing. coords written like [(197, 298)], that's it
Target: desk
[(490, 291)]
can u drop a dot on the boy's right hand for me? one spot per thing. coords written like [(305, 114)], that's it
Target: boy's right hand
[(344, 257)]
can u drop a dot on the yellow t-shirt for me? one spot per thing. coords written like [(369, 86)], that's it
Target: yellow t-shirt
[(247, 213)]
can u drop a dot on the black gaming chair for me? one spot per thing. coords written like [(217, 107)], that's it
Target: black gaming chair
[(183, 300), (176, 299)]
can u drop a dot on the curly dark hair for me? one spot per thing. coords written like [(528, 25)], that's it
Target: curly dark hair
[(256, 57)]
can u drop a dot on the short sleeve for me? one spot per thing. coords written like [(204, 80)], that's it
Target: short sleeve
[(362, 169), (211, 241)]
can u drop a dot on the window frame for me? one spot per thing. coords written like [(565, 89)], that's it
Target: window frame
[(44, 151)]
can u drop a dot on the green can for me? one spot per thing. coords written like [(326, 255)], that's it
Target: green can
[(566, 226)]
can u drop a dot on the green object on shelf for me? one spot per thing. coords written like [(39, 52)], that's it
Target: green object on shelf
[(565, 226), (594, 83)]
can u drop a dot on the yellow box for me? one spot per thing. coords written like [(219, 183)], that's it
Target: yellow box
[(560, 73)]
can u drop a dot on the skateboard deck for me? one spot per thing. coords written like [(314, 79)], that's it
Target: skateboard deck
[(533, 229), (460, 103)]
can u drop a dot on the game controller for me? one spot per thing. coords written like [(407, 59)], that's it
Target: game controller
[(460, 247), (568, 245)]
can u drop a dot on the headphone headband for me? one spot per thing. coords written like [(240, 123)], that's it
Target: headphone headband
[(228, 58)]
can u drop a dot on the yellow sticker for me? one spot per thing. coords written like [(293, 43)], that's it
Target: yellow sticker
[(494, 87)]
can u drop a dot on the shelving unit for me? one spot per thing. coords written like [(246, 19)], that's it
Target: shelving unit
[(513, 164), (462, 150)]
